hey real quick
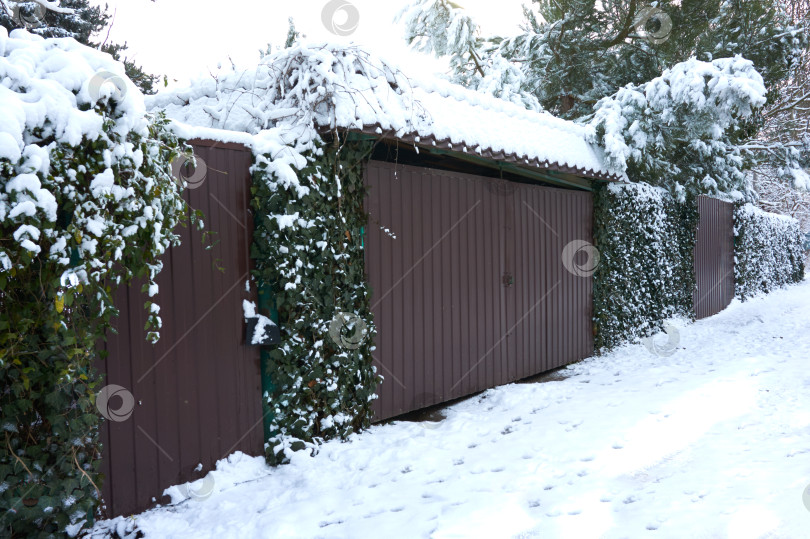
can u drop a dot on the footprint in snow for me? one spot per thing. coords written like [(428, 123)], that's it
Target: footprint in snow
[(588, 458), (534, 503), (499, 469), (458, 462), (507, 430), (630, 499), (548, 487), (617, 445), (407, 469)]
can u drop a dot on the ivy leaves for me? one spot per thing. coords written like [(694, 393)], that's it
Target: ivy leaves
[(116, 206), (308, 247)]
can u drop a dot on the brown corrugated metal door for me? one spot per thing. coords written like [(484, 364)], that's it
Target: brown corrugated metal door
[(198, 390), (714, 256), (468, 286)]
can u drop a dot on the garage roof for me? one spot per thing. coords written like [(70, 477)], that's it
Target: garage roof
[(338, 86)]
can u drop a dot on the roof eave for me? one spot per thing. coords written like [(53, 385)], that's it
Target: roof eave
[(516, 162)]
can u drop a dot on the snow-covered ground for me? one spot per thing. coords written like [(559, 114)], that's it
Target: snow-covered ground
[(711, 441)]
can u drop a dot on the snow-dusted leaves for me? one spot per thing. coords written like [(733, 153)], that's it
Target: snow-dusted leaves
[(680, 130), (768, 251)]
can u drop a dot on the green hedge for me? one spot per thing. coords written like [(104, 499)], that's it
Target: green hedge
[(55, 309), (87, 203), (769, 251), (645, 275), (308, 248)]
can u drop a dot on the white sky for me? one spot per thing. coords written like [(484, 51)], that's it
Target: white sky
[(188, 38)]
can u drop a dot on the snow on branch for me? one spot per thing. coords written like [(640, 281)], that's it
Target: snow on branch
[(694, 105)]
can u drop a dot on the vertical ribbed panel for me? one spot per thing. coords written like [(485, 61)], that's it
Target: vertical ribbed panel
[(198, 390), (447, 324), (714, 256)]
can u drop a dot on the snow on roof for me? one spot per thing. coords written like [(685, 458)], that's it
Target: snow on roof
[(336, 86)]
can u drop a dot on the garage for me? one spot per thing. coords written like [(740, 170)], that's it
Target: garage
[(469, 281)]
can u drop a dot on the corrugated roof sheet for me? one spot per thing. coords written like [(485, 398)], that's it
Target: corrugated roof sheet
[(338, 86)]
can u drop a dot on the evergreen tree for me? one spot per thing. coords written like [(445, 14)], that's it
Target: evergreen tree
[(76, 19), (595, 61)]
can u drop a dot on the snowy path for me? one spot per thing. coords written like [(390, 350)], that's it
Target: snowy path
[(713, 441)]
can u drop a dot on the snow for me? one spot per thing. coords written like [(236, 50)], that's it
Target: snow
[(259, 334), (693, 104), (710, 441), (49, 93), (350, 88)]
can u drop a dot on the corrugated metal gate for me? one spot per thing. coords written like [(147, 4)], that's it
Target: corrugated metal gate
[(469, 289), (197, 392), (714, 256)]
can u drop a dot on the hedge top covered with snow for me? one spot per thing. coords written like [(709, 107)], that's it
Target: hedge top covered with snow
[(336, 86), (54, 85)]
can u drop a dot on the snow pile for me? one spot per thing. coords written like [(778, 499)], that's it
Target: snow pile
[(711, 441), (49, 92), (768, 249), (337, 86)]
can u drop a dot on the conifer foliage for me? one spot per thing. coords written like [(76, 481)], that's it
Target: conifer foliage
[(575, 56)]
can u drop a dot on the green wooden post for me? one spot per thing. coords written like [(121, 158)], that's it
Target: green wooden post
[(267, 304)]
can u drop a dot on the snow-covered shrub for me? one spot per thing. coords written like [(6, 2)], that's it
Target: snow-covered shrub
[(645, 274), (768, 251), (87, 202), (308, 248)]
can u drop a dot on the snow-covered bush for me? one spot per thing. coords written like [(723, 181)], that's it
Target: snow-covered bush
[(645, 274), (768, 251), (87, 202), (308, 246)]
